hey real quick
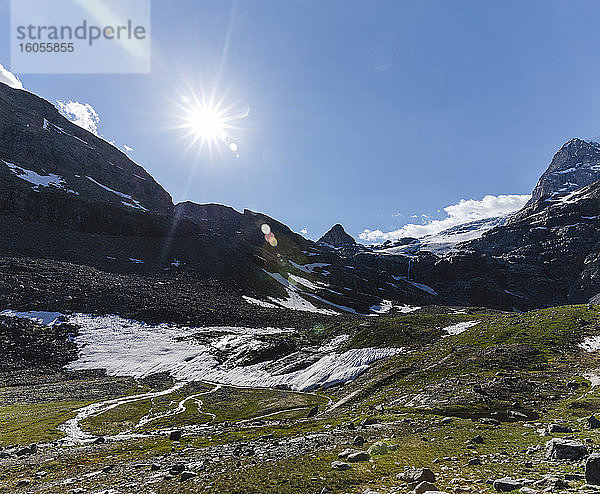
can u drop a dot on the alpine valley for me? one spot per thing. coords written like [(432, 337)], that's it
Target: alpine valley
[(156, 347)]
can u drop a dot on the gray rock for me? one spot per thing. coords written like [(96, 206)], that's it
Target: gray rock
[(559, 429), (423, 487), (592, 422), (313, 411), (490, 421), (175, 435), (340, 465), (565, 449), (359, 456), (507, 484), (187, 475), (417, 475), (358, 441), (347, 452), (592, 469)]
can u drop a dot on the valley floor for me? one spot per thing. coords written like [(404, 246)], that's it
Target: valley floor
[(474, 396)]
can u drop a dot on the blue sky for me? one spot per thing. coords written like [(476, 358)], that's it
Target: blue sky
[(360, 112)]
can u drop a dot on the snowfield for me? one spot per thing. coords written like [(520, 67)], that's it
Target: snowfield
[(131, 348)]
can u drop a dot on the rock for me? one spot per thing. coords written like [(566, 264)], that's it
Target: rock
[(474, 461), (340, 465), (592, 422), (187, 475), (446, 421), (337, 237), (359, 456), (559, 429), (347, 452), (592, 469), (551, 483), (27, 450), (506, 484), (313, 411), (423, 487), (177, 468), (175, 435), (417, 475), (154, 467), (477, 440), (369, 421), (358, 441), (378, 448), (490, 421), (565, 449), (99, 440)]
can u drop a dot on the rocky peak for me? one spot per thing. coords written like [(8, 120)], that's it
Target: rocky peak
[(337, 237), (575, 165)]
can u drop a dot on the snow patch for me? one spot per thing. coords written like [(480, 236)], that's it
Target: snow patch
[(459, 328)]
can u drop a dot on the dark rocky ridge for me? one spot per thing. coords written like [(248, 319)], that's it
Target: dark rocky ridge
[(337, 237), (546, 254)]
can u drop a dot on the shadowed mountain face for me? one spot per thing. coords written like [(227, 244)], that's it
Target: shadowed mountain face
[(71, 201), (41, 148), (337, 237), (67, 196)]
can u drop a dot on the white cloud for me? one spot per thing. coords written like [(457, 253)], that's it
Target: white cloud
[(463, 212), (127, 148), (82, 114), (7, 77), (304, 231)]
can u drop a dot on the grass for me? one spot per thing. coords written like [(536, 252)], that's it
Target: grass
[(36, 422)]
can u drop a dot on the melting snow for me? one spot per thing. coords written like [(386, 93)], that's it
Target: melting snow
[(134, 203), (590, 343), (260, 303), (49, 180), (459, 328), (131, 348)]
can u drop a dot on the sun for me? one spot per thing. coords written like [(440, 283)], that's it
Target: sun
[(210, 123), (207, 123)]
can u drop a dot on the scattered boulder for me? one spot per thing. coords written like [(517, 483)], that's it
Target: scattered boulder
[(592, 469), (347, 452), (369, 421), (358, 441), (507, 484), (477, 440), (592, 422), (359, 456), (474, 461), (565, 449), (27, 450), (423, 487), (177, 468), (490, 421), (559, 429), (446, 421), (313, 411), (175, 435), (417, 475), (551, 483), (378, 448), (340, 465), (99, 440), (187, 475)]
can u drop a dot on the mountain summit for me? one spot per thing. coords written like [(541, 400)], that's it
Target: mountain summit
[(575, 165), (337, 237)]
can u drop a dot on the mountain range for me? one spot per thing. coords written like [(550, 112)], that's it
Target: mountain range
[(72, 203)]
